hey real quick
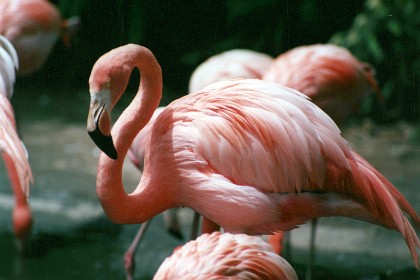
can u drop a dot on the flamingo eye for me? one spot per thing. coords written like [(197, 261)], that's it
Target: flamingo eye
[(108, 84)]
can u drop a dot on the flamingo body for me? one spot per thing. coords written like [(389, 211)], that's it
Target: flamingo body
[(33, 27), (231, 64), (251, 156), (216, 255), (330, 75)]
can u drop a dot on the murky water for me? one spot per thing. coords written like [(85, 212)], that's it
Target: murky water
[(72, 239)]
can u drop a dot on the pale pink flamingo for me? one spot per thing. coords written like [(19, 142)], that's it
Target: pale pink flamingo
[(334, 79), (232, 64), (237, 63), (12, 149), (234, 256), (251, 156), (33, 27)]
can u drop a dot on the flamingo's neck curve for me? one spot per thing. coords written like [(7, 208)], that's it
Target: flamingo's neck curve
[(117, 204)]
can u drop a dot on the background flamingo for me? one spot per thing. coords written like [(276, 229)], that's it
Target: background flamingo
[(232, 64), (219, 255), (33, 27), (12, 148), (237, 63), (251, 156), (330, 75), (334, 79)]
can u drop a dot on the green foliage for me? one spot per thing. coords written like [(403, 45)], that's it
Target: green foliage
[(387, 35)]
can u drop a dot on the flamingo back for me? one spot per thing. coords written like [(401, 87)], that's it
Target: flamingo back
[(271, 137), (238, 63), (225, 255)]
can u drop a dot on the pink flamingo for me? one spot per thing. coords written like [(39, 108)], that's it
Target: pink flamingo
[(33, 27), (237, 63), (216, 255), (12, 148), (330, 75), (251, 156), (334, 79), (232, 64)]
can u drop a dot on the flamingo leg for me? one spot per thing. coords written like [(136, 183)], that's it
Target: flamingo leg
[(172, 223), (208, 226), (129, 254), (311, 259), (194, 226), (277, 240)]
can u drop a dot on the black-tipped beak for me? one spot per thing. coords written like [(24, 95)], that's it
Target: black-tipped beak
[(104, 142)]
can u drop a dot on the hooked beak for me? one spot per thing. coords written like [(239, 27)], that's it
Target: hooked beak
[(97, 115)]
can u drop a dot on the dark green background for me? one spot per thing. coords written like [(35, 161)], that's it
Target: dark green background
[(184, 33)]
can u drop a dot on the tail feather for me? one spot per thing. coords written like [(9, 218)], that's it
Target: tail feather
[(386, 203), (401, 200)]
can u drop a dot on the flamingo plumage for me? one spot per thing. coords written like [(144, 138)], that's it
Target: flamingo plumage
[(12, 148), (251, 156), (216, 255), (330, 75), (237, 63), (33, 27), (334, 80)]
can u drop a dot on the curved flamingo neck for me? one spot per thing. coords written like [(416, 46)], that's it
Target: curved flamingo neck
[(117, 204)]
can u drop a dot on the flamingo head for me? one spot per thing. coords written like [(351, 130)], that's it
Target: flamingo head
[(107, 83), (99, 117), (99, 124)]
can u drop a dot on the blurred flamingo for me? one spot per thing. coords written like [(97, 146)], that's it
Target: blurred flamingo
[(12, 148), (33, 27), (216, 256), (237, 63), (232, 64), (334, 79), (330, 75), (251, 156)]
